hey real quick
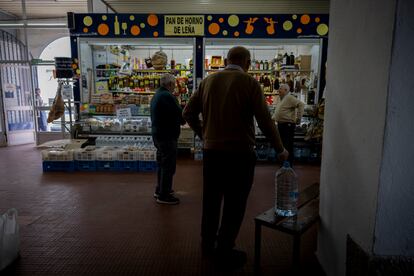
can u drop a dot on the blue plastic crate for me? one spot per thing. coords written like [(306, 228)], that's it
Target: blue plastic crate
[(147, 166), (262, 154), (111, 166), (58, 166), (85, 166), (128, 166), (271, 155)]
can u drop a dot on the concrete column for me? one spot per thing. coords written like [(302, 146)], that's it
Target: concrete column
[(366, 181)]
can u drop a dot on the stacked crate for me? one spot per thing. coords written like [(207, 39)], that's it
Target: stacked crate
[(57, 160), (106, 159), (128, 159), (85, 159), (147, 160)]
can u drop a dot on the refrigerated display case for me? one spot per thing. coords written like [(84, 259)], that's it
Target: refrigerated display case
[(116, 76)]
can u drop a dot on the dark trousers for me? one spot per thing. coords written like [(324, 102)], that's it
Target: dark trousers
[(287, 134), (228, 177), (166, 159)]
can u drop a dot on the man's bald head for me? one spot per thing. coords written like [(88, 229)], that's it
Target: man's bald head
[(239, 56)]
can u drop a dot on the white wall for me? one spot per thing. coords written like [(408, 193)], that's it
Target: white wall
[(39, 39), (314, 52), (97, 6), (47, 84), (181, 55), (394, 234), (357, 80)]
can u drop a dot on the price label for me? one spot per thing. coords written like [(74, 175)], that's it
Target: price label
[(123, 113), (67, 91)]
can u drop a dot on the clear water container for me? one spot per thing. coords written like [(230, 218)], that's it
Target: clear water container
[(286, 191)]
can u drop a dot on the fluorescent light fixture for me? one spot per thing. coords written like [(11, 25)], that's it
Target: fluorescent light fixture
[(11, 24), (43, 25), (35, 24)]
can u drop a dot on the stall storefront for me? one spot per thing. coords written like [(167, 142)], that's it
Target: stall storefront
[(119, 59)]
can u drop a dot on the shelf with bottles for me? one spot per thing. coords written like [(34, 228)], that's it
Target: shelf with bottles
[(295, 70), (140, 84), (213, 70), (132, 92), (149, 70)]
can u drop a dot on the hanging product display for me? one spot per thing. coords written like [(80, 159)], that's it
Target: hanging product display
[(58, 107)]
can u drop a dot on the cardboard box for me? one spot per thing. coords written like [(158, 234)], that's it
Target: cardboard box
[(305, 62)]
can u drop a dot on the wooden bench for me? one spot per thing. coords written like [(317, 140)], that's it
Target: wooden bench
[(308, 214)]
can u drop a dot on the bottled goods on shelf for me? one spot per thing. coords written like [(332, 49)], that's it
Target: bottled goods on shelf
[(121, 142), (286, 190), (109, 80), (262, 65), (135, 82), (198, 149)]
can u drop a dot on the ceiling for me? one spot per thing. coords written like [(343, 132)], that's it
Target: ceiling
[(43, 8), (59, 8), (220, 6)]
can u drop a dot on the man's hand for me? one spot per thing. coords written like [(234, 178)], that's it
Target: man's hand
[(283, 156)]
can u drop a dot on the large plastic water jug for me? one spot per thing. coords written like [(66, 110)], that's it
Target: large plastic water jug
[(286, 191)]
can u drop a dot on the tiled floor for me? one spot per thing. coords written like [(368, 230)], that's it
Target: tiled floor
[(109, 224)]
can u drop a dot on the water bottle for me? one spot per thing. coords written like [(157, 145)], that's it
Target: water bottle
[(286, 185)]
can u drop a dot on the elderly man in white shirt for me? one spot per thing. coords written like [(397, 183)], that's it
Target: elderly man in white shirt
[(289, 111)]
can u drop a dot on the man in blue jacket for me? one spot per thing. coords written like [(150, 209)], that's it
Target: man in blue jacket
[(166, 118)]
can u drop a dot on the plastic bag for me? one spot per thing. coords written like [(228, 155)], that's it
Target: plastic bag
[(9, 238), (58, 107)]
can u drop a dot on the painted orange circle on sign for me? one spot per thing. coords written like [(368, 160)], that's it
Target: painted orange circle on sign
[(135, 30), (299, 30), (155, 34), (317, 19), (305, 19), (221, 20), (103, 29), (85, 30), (74, 66), (236, 34), (152, 20), (214, 28)]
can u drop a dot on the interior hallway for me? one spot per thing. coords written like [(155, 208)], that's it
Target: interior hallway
[(109, 223)]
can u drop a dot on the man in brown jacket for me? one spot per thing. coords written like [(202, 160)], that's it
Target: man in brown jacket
[(229, 101)]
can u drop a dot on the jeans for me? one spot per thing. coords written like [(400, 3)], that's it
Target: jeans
[(166, 159), (287, 134), (227, 176)]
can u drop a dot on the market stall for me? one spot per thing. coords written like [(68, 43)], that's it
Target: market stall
[(116, 58)]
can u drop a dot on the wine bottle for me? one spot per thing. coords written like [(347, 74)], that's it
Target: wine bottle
[(285, 59), (253, 64), (292, 59)]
